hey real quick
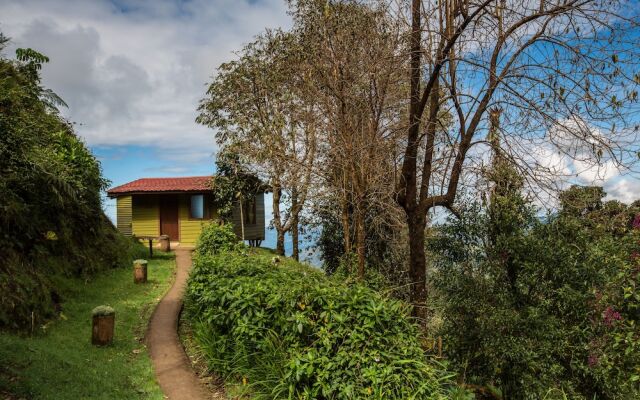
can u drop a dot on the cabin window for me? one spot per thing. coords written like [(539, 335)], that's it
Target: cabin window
[(197, 206), (250, 212)]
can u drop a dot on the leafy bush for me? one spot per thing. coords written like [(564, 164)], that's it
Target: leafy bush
[(51, 221), (293, 332), (216, 238), (539, 308)]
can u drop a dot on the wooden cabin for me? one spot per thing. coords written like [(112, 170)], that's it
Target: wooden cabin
[(179, 208)]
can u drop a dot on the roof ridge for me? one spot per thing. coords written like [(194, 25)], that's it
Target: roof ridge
[(164, 184), (176, 177)]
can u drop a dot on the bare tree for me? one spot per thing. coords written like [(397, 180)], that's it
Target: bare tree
[(256, 107), (561, 71), (355, 67)]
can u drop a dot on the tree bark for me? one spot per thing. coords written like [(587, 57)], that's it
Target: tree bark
[(294, 224), (407, 190), (280, 243), (346, 230), (295, 239), (241, 219), (277, 221), (417, 265), (360, 241)]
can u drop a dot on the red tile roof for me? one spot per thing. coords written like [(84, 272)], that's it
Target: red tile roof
[(156, 185)]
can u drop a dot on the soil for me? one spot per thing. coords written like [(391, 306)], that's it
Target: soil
[(172, 366)]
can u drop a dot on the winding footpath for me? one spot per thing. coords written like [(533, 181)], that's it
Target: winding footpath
[(172, 366)]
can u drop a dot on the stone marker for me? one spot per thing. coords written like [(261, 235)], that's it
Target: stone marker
[(104, 318), (140, 271)]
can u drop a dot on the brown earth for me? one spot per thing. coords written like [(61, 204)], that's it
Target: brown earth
[(172, 366)]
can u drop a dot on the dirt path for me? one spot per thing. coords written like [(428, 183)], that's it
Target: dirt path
[(173, 370)]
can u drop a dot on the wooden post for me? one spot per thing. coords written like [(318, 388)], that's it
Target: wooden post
[(150, 248), (165, 243), (140, 271), (104, 318)]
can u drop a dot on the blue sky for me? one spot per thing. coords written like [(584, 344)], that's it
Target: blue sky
[(133, 72)]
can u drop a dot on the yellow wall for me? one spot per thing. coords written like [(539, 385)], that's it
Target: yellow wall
[(146, 217), (141, 216), (190, 229), (123, 213)]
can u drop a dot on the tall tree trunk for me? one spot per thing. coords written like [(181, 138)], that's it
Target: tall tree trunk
[(360, 240), (346, 230), (417, 265), (407, 191), (241, 219), (294, 238), (294, 224), (277, 221), (280, 243)]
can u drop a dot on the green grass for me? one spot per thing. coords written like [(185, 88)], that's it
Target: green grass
[(59, 362)]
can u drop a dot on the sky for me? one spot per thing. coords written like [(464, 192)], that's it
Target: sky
[(133, 72)]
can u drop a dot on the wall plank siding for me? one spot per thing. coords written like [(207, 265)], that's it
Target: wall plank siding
[(146, 216), (124, 215), (140, 215), (190, 228), (254, 231)]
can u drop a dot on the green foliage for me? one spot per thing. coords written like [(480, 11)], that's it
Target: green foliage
[(292, 332), (51, 218), (215, 239), (232, 183), (385, 249), (542, 309), (57, 361), (103, 311), (346, 272)]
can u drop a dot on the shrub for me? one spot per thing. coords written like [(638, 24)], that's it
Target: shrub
[(546, 309), (293, 332), (216, 238), (51, 221)]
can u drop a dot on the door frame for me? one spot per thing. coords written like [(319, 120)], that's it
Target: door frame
[(161, 205)]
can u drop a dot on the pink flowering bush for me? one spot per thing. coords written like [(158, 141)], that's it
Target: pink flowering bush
[(546, 306), (636, 222), (614, 354)]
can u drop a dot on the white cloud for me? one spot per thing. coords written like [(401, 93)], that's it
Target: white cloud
[(133, 72), (625, 189)]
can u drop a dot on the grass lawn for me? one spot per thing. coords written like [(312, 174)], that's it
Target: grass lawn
[(59, 362)]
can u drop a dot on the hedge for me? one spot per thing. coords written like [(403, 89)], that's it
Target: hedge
[(289, 331)]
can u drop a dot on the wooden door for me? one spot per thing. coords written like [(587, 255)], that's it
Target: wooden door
[(169, 217)]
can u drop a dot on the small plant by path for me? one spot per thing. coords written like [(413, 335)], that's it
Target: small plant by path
[(59, 362)]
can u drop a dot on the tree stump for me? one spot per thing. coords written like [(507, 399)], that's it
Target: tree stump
[(165, 243), (140, 271), (104, 318)]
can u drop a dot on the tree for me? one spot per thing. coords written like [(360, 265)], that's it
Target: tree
[(258, 107), (233, 184), (355, 70), (541, 308), (562, 72), (50, 197)]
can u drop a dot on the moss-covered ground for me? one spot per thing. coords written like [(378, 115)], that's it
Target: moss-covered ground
[(57, 360)]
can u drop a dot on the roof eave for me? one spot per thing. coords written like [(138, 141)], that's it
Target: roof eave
[(113, 195)]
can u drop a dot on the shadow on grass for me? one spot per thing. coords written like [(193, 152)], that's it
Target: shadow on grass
[(59, 362)]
